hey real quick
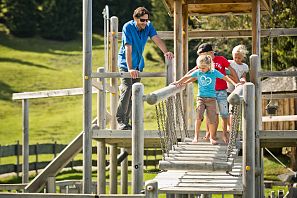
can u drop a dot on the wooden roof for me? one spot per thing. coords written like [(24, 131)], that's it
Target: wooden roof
[(218, 7), (280, 84)]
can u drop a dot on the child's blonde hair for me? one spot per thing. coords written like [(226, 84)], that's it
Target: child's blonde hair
[(205, 61), (241, 49)]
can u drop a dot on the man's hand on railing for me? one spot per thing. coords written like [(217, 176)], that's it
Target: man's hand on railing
[(133, 73), (169, 55)]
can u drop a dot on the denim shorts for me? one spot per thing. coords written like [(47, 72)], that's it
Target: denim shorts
[(222, 103)]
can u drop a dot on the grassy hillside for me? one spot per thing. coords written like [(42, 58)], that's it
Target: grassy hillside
[(36, 64)]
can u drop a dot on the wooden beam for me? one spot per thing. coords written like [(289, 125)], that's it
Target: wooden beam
[(198, 34), (127, 74), (277, 73), (216, 1), (278, 96), (279, 118), (289, 134), (49, 93)]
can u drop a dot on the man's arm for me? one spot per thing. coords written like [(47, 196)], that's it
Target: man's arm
[(133, 72), (158, 41)]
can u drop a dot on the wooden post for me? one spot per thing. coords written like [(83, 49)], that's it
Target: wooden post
[(248, 168), (170, 71), (25, 149), (186, 100), (256, 80), (101, 122), (17, 149), (190, 121), (137, 137), (113, 68), (113, 183), (87, 96), (178, 60), (151, 189), (51, 185), (256, 27), (124, 174), (36, 158)]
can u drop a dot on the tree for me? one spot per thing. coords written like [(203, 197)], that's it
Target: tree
[(20, 17), (60, 19)]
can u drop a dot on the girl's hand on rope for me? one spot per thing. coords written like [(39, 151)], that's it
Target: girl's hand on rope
[(242, 80), (237, 84), (133, 73)]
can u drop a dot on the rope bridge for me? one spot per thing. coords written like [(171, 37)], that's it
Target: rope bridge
[(193, 167)]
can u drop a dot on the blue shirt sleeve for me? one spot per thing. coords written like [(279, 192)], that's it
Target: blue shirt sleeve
[(195, 74), (127, 35)]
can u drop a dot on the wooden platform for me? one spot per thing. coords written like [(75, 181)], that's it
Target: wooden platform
[(200, 168), (201, 182)]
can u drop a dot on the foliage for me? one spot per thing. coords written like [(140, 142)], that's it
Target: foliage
[(283, 49), (20, 17), (60, 19)]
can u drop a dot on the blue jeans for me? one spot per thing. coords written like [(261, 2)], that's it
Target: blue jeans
[(222, 103), (125, 104)]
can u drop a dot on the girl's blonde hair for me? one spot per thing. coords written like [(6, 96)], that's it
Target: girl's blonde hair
[(241, 49), (205, 60)]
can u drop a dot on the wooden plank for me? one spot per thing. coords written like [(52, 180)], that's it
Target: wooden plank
[(195, 190), (219, 152), (127, 74), (277, 73), (196, 158), (274, 134), (280, 119), (279, 96), (195, 165), (49, 93), (292, 111), (199, 34)]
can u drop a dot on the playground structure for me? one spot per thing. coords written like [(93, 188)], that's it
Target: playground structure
[(252, 176)]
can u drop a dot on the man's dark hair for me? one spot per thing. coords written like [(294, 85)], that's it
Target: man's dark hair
[(140, 11)]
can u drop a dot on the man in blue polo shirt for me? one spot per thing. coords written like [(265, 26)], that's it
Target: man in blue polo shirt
[(135, 34)]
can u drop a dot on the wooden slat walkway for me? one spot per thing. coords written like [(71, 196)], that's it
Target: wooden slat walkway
[(200, 169)]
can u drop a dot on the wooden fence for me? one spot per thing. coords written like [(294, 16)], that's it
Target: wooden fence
[(53, 149)]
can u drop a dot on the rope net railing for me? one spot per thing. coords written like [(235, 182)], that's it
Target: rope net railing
[(171, 122)]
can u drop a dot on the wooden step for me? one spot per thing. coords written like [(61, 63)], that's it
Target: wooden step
[(195, 165)]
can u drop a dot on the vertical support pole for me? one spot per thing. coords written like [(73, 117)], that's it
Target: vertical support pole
[(186, 99), (87, 96), (113, 169), (178, 38), (114, 61), (256, 80), (17, 149), (51, 185), (137, 137), (113, 102), (101, 148), (191, 108), (256, 27), (248, 168), (151, 189), (170, 71), (124, 174), (25, 149)]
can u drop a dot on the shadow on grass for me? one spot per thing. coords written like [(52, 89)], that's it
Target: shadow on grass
[(5, 91), (40, 45), (14, 60)]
